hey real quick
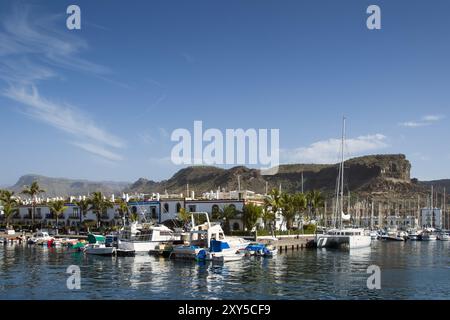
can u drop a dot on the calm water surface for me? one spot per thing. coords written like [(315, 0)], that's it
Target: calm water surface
[(412, 270)]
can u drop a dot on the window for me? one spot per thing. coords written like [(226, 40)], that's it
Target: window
[(166, 208), (133, 209), (192, 208), (153, 212), (178, 207), (215, 209), (236, 226)]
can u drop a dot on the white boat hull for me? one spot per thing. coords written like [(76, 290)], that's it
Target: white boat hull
[(344, 242), (100, 251), (138, 246), (227, 257)]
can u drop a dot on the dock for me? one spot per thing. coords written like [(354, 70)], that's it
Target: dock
[(289, 243)]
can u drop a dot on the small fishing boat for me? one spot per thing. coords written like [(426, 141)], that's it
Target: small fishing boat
[(97, 246), (259, 249), (413, 235), (428, 235), (443, 236), (40, 238), (228, 257)]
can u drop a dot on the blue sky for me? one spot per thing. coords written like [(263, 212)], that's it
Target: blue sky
[(100, 103)]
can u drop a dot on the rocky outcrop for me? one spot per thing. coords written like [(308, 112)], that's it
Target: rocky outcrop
[(388, 173)]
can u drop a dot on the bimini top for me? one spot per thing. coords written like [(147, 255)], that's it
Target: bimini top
[(95, 238)]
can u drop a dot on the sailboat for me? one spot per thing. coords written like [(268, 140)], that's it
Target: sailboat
[(340, 237)]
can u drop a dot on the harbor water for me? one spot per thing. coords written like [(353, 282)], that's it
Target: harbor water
[(409, 270)]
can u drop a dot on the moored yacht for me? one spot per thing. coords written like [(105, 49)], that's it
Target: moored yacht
[(207, 240), (344, 238), (341, 237), (143, 238), (97, 246)]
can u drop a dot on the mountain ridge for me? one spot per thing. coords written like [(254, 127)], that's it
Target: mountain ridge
[(373, 175)]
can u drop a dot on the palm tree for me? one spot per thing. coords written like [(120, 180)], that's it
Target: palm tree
[(83, 206), (315, 201), (57, 208), (9, 203), (183, 215), (288, 209), (226, 214), (99, 205), (123, 209), (251, 214), (272, 203), (33, 192), (300, 203)]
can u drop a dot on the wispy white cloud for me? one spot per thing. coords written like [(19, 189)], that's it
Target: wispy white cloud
[(327, 151), (99, 151), (32, 50), (62, 116), (427, 120)]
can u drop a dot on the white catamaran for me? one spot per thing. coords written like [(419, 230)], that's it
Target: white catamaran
[(340, 237)]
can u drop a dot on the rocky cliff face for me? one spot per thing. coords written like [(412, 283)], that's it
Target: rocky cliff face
[(382, 176), (378, 173)]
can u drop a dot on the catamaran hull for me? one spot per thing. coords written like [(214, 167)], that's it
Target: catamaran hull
[(343, 242)]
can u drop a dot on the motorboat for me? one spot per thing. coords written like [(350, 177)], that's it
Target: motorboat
[(443, 236), (428, 235), (228, 257), (226, 250), (40, 238), (205, 239), (413, 235), (97, 246), (374, 235), (259, 249), (143, 238)]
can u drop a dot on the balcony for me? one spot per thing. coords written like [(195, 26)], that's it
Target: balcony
[(74, 217)]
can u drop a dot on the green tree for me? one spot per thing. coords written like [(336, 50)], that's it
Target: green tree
[(33, 191), (83, 206), (57, 208), (300, 204), (251, 214), (226, 214), (9, 203), (316, 201), (99, 205), (183, 215), (123, 209), (272, 204), (288, 209)]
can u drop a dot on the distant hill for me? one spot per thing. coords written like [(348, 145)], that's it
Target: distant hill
[(438, 184), (379, 175), (63, 187)]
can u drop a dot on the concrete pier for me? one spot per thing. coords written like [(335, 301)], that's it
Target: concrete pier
[(289, 243)]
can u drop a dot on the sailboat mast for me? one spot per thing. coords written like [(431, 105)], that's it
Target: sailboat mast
[(342, 172)]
